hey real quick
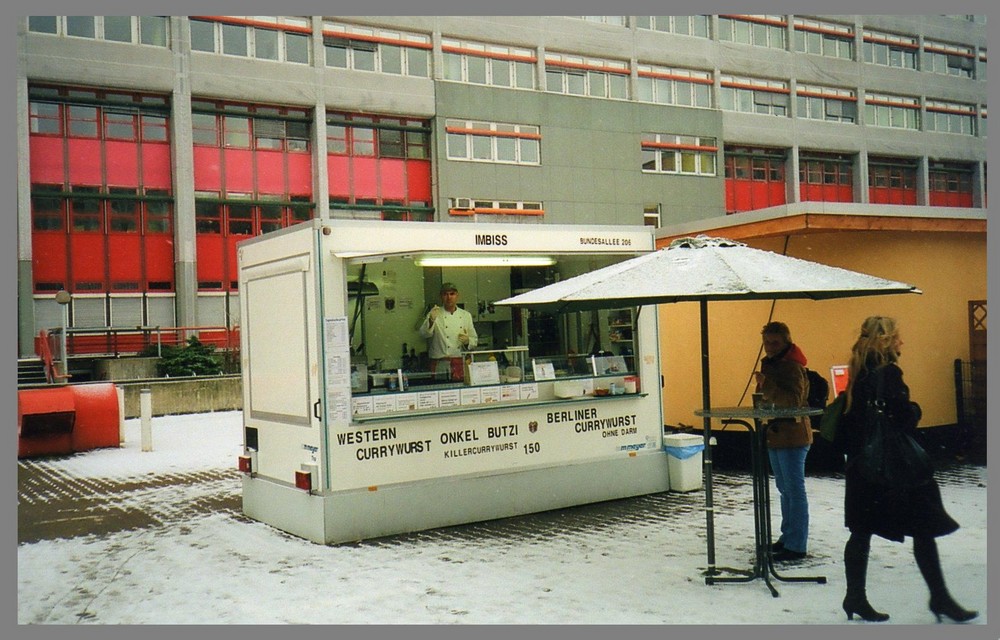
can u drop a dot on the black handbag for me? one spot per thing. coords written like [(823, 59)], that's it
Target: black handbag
[(891, 458)]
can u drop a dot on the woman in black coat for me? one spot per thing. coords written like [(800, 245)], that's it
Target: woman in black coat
[(874, 510)]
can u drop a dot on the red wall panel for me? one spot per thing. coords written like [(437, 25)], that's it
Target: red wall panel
[(46, 160), (364, 177), (159, 258), (207, 169), (270, 172), (85, 162), (210, 258), (418, 177), (156, 166), (300, 182), (239, 170), (49, 258), (393, 178), (125, 257), (122, 164), (88, 258), (338, 168)]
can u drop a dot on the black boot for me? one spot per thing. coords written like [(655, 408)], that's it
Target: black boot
[(856, 572), (942, 604)]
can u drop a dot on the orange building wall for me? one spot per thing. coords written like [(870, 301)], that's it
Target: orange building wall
[(950, 269)]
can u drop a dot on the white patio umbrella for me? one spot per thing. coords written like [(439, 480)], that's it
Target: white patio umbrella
[(702, 269)]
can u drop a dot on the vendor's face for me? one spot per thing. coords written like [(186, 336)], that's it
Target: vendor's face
[(449, 300), (773, 344)]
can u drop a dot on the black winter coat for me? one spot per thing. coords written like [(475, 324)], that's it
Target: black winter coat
[(891, 514)]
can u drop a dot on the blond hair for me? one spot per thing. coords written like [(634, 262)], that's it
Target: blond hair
[(874, 348)]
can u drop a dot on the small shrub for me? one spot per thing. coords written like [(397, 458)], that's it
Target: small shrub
[(193, 359)]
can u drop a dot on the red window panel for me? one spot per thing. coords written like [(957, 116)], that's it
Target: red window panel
[(207, 169), (339, 170), (418, 177), (210, 261), (85, 161), (731, 196), (156, 166), (239, 170), (88, 261), (232, 268), (49, 260), (124, 258), (393, 179), (365, 177), (300, 180), (270, 172), (122, 166), (776, 193), (47, 160), (159, 259)]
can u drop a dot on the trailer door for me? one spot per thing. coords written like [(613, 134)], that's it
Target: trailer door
[(281, 352)]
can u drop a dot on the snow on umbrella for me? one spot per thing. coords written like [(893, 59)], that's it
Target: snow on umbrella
[(702, 269)]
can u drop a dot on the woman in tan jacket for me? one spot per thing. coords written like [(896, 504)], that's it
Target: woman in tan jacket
[(782, 381)]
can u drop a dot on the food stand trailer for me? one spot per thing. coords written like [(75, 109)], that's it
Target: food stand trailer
[(349, 435)]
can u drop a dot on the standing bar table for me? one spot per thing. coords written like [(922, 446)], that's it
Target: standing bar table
[(755, 420)]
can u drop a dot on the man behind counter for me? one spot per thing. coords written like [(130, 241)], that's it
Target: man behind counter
[(448, 330)]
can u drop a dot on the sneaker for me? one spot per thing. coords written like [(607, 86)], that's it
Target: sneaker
[(777, 546), (787, 555)]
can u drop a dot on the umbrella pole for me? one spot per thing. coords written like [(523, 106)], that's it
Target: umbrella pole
[(707, 426)]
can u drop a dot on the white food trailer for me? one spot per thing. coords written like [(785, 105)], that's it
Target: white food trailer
[(349, 435)]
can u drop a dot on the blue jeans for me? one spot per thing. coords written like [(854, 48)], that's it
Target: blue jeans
[(789, 469)]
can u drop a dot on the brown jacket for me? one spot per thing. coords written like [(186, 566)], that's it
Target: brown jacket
[(786, 385)]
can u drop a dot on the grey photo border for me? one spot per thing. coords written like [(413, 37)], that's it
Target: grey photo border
[(8, 247)]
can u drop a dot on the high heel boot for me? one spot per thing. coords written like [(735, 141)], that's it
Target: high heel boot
[(856, 573), (942, 604)]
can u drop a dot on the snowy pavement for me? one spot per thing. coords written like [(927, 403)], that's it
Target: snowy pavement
[(126, 537)]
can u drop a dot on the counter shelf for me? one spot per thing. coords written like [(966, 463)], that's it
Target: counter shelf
[(492, 406)]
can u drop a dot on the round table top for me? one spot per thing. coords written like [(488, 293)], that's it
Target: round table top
[(758, 413)]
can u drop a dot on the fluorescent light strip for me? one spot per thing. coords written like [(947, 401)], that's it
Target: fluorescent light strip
[(485, 261)]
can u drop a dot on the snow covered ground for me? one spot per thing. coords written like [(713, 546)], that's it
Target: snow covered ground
[(630, 562)]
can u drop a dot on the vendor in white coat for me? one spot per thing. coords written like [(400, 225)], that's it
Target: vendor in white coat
[(449, 330)]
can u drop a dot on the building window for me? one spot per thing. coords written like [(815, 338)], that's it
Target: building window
[(678, 154), (751, 95), (682, 87), (493, 142), (892, 181), (278, 38), (250, 126), (950, 184), (378, 50), (890, 50), (757, 30), (950, 117), (826, 103), (381, 136), (147, 30), (680, 25), (651, 215), (892, 111), (473, 207), (617, 21), (824, 38), (575, 75), (489, 64), (949, 59)]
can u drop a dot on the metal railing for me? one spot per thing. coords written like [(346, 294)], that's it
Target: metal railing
[(118, 341)]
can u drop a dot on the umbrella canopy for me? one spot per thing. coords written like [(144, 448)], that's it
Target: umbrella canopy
[(702, 269)]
